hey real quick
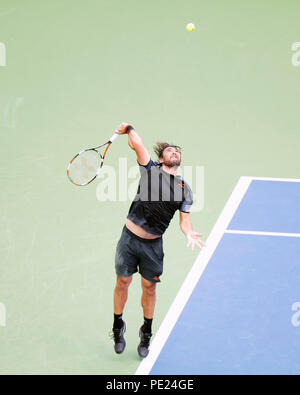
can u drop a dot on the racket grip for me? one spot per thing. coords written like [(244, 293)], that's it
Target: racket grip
[(113, 137)]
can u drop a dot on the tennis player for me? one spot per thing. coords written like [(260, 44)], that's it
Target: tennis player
[(160, 193)]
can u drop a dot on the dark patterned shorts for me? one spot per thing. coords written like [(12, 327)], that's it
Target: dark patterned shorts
[(137, 254)]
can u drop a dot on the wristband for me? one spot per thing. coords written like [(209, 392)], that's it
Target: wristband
[(129, 128)]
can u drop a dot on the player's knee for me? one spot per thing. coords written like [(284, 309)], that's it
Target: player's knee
[(123, 282), (149, 288)]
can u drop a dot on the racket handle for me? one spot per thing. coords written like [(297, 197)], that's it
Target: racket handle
[(113, 137)]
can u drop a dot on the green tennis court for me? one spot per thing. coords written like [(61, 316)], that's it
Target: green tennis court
[(70, 72)]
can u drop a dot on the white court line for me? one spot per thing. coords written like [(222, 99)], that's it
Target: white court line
[(250, 232), (275, 179), (194, 275)]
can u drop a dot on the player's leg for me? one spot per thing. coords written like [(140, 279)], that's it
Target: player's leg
[(120, 298), (126, 265), (148, 298), (150, 268), (121, 293), (148, 303)]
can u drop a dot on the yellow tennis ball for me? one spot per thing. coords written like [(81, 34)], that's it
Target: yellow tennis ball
[(190, 27)]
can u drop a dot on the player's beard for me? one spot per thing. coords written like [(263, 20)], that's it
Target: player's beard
[(172, 162)]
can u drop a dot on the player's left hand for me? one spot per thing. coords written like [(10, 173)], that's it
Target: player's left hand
[(193, 239)]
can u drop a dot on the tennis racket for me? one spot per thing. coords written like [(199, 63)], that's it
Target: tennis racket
[(86, 165)]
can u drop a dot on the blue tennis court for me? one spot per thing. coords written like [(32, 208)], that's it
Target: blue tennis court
[(235, 313)]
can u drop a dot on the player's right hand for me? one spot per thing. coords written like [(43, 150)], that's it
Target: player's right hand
[(122, 128)]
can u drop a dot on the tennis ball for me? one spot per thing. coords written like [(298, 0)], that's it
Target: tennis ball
[(190, 27)]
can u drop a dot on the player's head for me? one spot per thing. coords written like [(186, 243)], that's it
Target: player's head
[(168, 154)]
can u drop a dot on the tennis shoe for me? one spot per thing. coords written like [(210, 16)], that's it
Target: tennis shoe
[(118, 337), (143, 347)]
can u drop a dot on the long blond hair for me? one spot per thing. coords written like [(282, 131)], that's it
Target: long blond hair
[(159, 147)]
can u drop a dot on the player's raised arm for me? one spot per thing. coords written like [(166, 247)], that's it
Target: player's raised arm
[(134, 142)]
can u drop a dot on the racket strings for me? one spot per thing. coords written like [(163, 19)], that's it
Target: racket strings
[(84, 167)]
